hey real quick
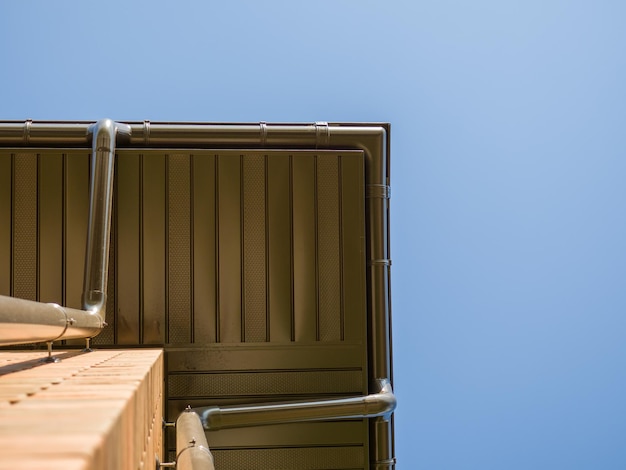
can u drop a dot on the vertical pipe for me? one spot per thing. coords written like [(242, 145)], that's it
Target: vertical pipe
[(374, 141), (104, 135), (192, 449)]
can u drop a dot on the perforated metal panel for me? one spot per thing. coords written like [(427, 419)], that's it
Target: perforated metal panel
[(313, 458)]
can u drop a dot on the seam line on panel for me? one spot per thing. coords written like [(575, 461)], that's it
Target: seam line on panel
[(242, 267), (316, 254), (167, 248), (64, 230), (217, 250), (12, 257), (38, 232), (115, 230), (291, 249), (141, 252), (342, 313), (267, 252)]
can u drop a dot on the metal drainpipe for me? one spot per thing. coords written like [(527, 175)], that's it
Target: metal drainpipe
[(192, 449), (375, 142), (381, 403), (24, 321), (104, 136)]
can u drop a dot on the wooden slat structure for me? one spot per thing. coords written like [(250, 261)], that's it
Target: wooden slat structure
[(100, 410)]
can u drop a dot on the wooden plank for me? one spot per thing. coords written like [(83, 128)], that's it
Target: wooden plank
[(89, 411)]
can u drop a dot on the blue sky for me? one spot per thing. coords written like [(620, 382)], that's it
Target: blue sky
[(508, 170)]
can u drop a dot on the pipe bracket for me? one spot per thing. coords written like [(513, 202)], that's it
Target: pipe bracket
[(382, 191), (379, 262), (27, 126), (146, 133), (68, 321), (322, 134)]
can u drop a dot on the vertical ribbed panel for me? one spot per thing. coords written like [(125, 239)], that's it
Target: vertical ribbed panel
[(179, 249), (328, 243), (25, 226), (76, 210), (229, 248), (214, 246), (6, 222), (128, 251), (108, 334), (76, 220), (51, 228), (153, 202), (352, 246), (304, 249), (204, 249), (280, 256), (254, 259)]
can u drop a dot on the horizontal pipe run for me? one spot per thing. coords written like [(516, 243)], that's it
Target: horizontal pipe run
[(24, 321), (192, 449), (381, 403), (147, 134)]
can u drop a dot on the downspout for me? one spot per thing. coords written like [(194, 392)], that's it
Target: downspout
[(104, 135), (375, 143), (24, 321)]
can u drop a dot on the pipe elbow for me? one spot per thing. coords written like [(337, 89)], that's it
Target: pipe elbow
[(211, 418), (105, 132), (382, 403)]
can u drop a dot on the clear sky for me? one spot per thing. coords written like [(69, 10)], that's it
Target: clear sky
[(508, 182)]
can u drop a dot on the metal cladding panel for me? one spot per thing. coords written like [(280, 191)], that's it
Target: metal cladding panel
[(25, 226), (6, 222), (179, 291), (50, 227), (312, 458), (248, 266), (43, 205), (208, 247)]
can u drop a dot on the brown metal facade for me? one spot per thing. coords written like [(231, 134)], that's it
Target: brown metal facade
[(249, 266)]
